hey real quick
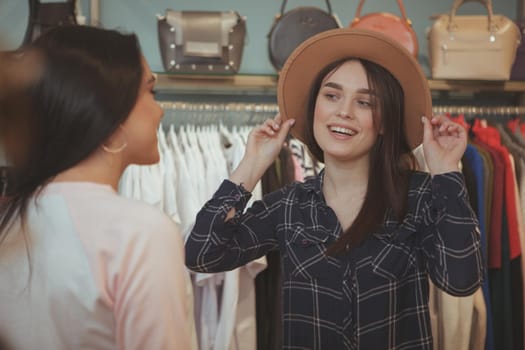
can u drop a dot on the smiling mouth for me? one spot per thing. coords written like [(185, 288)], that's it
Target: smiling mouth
[(342, 131)]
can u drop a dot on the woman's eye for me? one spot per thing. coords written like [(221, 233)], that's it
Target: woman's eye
[(330, 96), (364, 103)]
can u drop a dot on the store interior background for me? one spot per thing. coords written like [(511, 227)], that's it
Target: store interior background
[(139, 16)]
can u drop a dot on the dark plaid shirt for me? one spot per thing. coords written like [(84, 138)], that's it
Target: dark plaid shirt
[(375, 297)]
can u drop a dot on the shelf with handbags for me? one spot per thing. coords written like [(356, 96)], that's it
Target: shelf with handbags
[(459, 48)]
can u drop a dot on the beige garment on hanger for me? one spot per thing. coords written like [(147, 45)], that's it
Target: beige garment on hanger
[(458, 323)]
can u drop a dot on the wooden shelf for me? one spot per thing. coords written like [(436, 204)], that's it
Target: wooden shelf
[(476, 86), (217, 84), (267, 85)]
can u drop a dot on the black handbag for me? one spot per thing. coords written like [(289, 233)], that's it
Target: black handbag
[(291, 28), (44, 16), (203, 42)]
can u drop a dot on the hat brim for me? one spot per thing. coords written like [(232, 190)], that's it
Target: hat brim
[(314, 54)]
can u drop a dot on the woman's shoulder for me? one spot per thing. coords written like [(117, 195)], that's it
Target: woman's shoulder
[(139, 213), (102, 205)]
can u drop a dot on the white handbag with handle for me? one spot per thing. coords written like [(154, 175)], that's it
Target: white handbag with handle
[(472, 46)]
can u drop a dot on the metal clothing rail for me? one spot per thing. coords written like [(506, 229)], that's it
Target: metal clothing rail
[(481, 110), (253, 113), (221, 107), (228, 114)]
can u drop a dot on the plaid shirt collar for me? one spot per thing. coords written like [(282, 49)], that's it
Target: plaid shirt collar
[(315, 184)]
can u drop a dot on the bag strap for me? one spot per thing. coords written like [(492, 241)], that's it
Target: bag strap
[(34, 6), (457, 3), (328, 5), (399, 3)]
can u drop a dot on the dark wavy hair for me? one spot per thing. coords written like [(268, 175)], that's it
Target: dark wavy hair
[(391, 159), (88, 86)]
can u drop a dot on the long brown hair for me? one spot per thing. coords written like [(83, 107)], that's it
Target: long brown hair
[(88, 87), (391, 159)]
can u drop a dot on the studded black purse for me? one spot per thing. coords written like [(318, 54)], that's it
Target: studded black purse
[(203, 42)]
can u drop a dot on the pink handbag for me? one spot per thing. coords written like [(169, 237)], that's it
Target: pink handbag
[(398, 28)]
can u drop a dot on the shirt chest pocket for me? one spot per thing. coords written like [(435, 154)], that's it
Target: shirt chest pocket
[(394, 261), (305, 256)]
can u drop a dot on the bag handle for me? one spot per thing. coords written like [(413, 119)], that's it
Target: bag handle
[(399, 3), (35, 4), (457, 3), (328, 5)]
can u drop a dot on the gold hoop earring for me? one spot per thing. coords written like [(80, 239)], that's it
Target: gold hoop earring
[(118, 149)]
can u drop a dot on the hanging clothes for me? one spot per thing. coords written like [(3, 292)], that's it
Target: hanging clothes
[(194, 160), (458, 323), (505, 274)]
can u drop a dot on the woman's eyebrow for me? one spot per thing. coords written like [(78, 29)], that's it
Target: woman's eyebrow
[(339, 87), (333, 85), (367, 91)]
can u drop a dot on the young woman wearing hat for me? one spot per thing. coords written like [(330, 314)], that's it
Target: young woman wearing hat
[(359, 241), (80, 266)]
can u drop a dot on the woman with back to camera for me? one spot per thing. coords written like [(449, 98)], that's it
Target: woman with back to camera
[(80, 266), (359, 241)]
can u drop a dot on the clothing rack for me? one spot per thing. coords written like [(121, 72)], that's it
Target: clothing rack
[(221, 107), (254, 113), (229, 114), (510, 111)]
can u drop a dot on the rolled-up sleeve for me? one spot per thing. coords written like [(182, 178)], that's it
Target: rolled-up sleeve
[(216, 245), (451, 239)]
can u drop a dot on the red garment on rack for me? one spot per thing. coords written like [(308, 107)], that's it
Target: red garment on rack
[(491, 137), (513, 124)]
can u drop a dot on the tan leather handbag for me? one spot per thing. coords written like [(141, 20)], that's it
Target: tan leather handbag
[(398, 28), (472, 47)]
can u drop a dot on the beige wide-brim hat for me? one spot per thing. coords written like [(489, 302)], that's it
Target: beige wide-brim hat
[(314, 54)]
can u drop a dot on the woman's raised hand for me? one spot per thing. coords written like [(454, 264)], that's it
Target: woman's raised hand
[(264, 144), (266, 140), (444, 143)]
